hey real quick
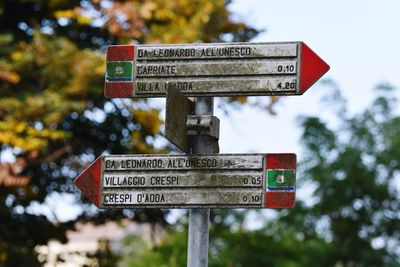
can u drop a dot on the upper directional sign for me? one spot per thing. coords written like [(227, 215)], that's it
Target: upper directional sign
[(181, 181), (222, 69)]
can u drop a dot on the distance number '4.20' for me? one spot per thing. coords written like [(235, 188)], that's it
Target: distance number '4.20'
[(287, 85)]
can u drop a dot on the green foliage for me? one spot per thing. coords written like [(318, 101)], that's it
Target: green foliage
[(51, 83), (350, 219), (355, 173), (53, 116), (170, 253), (231, 245)]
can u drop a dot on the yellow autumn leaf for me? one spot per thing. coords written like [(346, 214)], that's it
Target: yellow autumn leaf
[(64, 14), (150, 119), (100, 69), (20, 127), (84, 20), (6, 137), (10, 76), (17, 55)]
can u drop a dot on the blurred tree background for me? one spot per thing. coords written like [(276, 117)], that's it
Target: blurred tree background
[(351, 169), (54, 121)]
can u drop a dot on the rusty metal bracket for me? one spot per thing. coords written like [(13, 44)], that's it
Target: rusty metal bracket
[(203, 125)]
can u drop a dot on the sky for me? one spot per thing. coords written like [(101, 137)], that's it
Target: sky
[(359, 39)]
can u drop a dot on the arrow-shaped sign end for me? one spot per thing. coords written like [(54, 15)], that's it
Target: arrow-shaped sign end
[(312, 68), (89, 181), (285, 165)]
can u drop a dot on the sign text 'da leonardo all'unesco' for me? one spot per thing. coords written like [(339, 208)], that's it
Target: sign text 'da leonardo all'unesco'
[(181, 181), (223, 69)]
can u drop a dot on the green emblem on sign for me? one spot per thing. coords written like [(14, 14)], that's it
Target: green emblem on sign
[(281, 178), (119, 71)]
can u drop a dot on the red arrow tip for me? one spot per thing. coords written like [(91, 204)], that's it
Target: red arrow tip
[(89, 181), (312, 68)]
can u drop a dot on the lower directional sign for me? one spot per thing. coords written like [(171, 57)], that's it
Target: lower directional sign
[(182, 181)]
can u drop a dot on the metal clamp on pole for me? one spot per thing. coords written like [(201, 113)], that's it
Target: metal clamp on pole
[(203, 125)]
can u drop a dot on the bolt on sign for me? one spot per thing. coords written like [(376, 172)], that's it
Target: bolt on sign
[(195, 181), (220, 69)]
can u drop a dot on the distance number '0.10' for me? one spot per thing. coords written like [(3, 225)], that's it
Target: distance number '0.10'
[(284, 69), (251, 198)]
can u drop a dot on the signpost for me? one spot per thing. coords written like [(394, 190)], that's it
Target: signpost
[(221, 69), (200, 179), (191, 181)]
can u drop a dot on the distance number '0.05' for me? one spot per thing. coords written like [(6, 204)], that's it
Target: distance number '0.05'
[(254, 181)]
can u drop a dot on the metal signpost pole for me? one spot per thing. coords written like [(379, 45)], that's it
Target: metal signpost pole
[(199, 218)]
